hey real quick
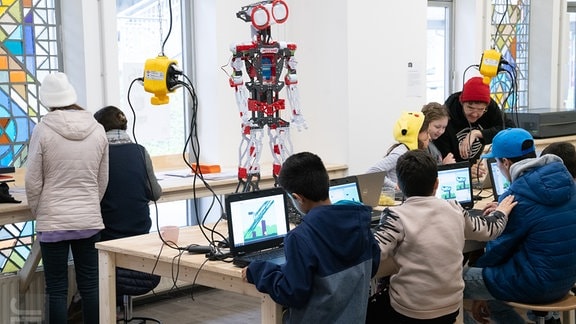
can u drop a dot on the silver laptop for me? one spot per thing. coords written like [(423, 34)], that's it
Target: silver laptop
[(370, 187)]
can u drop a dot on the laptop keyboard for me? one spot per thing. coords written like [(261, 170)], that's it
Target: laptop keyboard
[(264, 255)]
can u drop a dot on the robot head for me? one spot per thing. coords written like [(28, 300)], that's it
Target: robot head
[(264, 14)]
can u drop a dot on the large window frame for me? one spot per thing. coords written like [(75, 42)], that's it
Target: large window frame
[(439, 80), (570, 100)]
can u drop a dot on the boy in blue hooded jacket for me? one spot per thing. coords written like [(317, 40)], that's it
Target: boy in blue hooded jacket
[(330, 257), (534, 260)]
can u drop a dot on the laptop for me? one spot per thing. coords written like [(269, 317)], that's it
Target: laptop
[(346, 188), (499, 182), (257, 226), (455, 183), (370, 187)]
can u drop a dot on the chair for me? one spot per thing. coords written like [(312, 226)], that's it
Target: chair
[(564, 305), (131, 283)]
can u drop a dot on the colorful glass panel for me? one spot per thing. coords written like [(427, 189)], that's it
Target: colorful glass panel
[(28, 52), (510, 35)]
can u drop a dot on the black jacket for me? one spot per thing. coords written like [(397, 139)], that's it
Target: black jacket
[(491, 122)]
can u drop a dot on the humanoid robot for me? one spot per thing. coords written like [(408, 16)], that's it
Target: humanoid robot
[(258, 98)]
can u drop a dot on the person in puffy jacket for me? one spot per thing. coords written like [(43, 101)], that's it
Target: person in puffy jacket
[(330, 257), (534, 260), (66, 177)]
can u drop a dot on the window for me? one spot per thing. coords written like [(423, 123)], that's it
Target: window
[(571, 97), (143, 26), (510, 35), (29, 51), (438, 57)]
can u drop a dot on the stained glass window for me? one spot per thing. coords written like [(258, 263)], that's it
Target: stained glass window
[(510, 34), (29, 51)]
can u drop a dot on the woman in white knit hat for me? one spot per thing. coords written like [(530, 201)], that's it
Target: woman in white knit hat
[(66, 177)]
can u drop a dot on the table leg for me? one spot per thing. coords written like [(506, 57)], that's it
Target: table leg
[(107, 286), (271, 312)]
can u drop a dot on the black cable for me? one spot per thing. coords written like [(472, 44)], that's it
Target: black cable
[(172, 245), (500, 22), (466, 70), (169, 27)]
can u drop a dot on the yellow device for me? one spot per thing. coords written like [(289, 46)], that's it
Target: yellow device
[(489, 64), (160, 78)]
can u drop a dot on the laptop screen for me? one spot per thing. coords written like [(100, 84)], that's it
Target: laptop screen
[(257, 220), (499, 182), (344, 189), (454, 183)]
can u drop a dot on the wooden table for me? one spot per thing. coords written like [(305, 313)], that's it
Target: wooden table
[(173, 188), (146, 253)]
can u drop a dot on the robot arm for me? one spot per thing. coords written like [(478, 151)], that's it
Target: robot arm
[(241, 93), (291, 81)]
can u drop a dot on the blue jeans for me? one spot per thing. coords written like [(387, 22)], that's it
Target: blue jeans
[(55, 260), (475, 289)]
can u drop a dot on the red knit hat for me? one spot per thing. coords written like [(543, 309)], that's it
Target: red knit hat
[(475, 90)]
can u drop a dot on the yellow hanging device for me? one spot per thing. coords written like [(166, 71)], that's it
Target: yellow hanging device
[(490, 64), (160, 78)]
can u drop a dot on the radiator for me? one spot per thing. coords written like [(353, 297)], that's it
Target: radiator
[(28, 307)]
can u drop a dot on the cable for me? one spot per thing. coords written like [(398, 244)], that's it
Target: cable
[(169, 27)]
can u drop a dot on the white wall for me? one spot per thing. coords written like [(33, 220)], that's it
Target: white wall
[(87, 33), (471, 38), (352, 74)]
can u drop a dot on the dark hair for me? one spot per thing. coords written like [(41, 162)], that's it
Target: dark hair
[(304, 173), (417, 172), (111, 117), (566, 151)]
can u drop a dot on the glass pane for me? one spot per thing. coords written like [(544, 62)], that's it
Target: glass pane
[(436, 54), (569, 102)]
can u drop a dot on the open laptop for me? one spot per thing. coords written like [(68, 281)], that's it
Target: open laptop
[(499, 182), (345, 188), (455, 183), (348, 188), (257, 225), (370, 187)]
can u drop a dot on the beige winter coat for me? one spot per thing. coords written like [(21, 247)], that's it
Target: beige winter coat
[(67, 171)]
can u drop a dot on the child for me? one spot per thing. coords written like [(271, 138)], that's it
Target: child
[(566, 152), (436, 116), (411, 133), (425, 237), (330, 257)]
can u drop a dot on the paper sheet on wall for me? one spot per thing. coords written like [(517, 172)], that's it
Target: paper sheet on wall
[(414, 79)]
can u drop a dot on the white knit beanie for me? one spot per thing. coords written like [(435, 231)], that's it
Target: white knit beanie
[(56, 91)]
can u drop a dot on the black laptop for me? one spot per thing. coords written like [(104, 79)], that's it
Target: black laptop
[(455, 183), (499, 182), (257, 225), (345, 188)]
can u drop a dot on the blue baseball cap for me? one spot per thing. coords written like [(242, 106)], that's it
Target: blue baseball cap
[(508, 144)]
